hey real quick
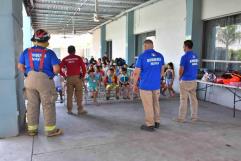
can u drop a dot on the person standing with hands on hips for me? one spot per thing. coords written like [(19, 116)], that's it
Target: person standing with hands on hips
[(40, 65), (188, 85), (149, 68)]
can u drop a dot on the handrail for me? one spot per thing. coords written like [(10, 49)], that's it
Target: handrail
[(220, 61)]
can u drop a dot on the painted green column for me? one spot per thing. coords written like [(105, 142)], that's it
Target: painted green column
[(103, 40), (130, 38), (194, 24), (11, 81)]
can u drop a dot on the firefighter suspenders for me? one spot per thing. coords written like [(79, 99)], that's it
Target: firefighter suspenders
[(30, 58)]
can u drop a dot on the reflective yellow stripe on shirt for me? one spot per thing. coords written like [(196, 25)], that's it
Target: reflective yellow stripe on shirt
[(49, 128), (33, 127)]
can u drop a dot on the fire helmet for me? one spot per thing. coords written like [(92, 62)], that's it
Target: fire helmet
[(41, 36)]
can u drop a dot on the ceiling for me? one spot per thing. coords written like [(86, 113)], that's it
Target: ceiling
[(74, 16)]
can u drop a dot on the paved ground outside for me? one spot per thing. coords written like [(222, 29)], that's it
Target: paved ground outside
[(110, 132)]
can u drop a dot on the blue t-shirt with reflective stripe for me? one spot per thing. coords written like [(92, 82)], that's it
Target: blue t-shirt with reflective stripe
[(189, 62), (49, 60), (150, 62)]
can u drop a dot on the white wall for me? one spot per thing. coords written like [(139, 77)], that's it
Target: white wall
[(219, 8), (96, 44), (167, 18), (116, 31), (81, 43)]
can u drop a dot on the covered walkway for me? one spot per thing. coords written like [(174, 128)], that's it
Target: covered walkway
[(110, 132)]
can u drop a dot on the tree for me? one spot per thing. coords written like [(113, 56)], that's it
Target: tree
[(227, 36)]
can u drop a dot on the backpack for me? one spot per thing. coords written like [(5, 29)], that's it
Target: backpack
[(120, 61)]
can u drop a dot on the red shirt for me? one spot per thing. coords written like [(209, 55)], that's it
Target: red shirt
[(102, 73), (74, 66)]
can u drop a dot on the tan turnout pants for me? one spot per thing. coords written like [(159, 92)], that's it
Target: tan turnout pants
[(74, 85), (40, 89), (150, 101), (188, 90)]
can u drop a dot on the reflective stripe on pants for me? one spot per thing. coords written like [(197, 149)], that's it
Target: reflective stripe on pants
[(40, 89)]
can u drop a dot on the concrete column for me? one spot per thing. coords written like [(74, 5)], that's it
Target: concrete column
[(11, 82), (130, 38), (194, 24), (103, 40)]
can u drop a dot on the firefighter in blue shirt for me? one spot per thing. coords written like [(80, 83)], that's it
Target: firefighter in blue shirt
[(187, 76), (149, 67), (40, 65)]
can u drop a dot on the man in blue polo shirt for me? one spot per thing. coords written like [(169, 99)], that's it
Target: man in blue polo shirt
[(39, 65), (187, 76), (149, 67)]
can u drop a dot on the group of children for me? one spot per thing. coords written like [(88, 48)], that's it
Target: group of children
[(112, 77)]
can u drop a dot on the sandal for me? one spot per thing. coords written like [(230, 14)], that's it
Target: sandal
[(56, 132)]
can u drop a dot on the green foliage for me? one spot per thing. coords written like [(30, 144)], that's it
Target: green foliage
[(228, 35), (235, 54)]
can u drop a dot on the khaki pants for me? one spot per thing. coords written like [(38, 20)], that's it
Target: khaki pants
[(40, 89), (188, 90), (74, 84), (150, 101)]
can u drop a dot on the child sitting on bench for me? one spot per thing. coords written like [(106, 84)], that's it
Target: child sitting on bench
[(124, 83), (92, 84), (110, 82)]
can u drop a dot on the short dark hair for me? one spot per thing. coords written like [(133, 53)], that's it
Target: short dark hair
[(148, 41), (71, 49), (98, 66), (171, 65), (91, 70), (111, 69), (124, 69), (188, 43)]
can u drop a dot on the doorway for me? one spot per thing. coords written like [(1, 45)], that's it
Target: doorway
[(109, 49)]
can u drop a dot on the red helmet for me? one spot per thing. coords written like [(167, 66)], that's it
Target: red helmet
[(41, 36)]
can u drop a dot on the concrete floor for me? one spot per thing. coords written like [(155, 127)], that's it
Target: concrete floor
[(111, 133)]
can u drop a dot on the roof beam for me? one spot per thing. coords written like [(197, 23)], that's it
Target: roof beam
[(63, 21), (70, 13), (73, 9), (55, 24), (61, 16), (49, 19), (89, 4), (103, 3), (64, 15)]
